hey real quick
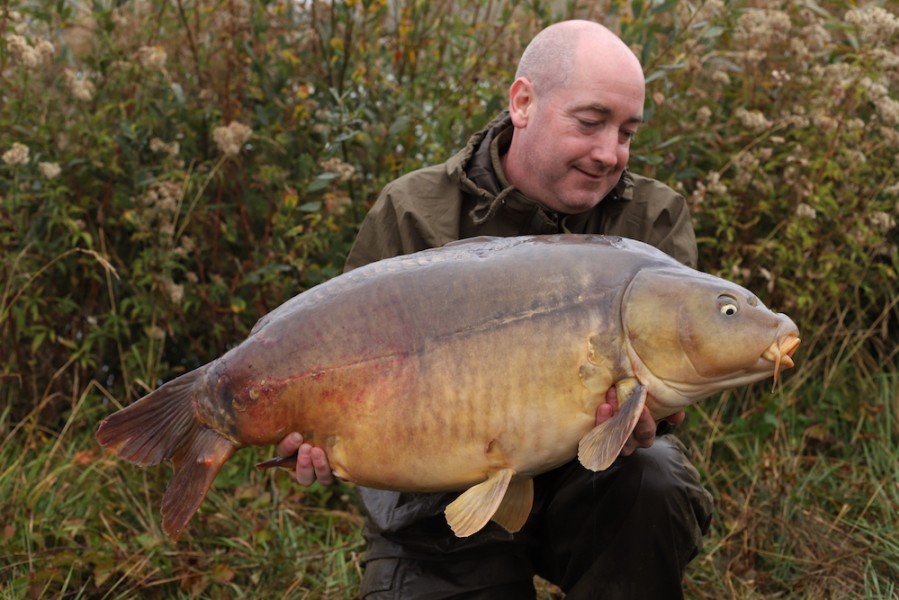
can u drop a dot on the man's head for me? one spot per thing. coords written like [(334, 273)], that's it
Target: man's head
[(576, 101)]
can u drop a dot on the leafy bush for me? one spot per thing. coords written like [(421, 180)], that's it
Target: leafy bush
[(779, 122), (172, 170), (191, 167)]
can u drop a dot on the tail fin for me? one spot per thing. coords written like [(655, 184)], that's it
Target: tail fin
[(161, 426)]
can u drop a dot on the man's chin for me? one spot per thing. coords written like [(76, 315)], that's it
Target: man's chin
[(584, 200)]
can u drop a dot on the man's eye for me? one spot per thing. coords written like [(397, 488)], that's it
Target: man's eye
[(589, 124)]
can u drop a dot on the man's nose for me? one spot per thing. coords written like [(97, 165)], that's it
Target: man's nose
[(605, 147)]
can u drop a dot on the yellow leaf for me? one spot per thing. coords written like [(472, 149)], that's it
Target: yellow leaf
[(222, 573), (290, 199), (238, 305)]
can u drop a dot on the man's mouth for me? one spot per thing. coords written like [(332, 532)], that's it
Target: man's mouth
[(591, 174)]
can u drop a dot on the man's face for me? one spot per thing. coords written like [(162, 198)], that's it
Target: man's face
[(576, 142)]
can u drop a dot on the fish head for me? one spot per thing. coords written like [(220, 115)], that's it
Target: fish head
[(690, 335)]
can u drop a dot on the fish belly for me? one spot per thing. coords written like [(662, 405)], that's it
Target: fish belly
[(447, 415)]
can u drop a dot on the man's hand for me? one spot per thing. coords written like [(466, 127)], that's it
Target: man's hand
[(644, 433), (312, 462)]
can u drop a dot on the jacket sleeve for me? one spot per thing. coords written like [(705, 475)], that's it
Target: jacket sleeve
[(674, 234), (379, 236)]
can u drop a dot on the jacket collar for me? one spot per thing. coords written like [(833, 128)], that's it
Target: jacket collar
[(478, 169)]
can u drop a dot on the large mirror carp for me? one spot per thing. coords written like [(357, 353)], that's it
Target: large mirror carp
[(472, 367)]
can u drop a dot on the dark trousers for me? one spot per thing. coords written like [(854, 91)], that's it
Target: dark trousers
[(627, 532)]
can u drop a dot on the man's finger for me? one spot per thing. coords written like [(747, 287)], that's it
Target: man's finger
[(289, 444), (643, 436), (604, 412), (322, 468), (612, 398), (305, 471), (645, 430), (677, 418)]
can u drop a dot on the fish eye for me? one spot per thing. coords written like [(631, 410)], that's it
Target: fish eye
[(728, 306)]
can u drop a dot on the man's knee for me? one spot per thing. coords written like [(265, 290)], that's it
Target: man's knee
[(667, 485), (377, 579)]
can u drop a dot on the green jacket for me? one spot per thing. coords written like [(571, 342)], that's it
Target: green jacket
[(465, 197), (468, 196)]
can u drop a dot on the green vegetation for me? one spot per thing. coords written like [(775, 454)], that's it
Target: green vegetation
[(172, 170)]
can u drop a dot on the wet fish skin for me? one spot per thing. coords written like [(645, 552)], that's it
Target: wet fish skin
[(471, 367)]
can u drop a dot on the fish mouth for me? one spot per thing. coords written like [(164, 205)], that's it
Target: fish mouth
[(780, 352)]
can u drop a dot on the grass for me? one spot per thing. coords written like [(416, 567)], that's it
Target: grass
[(807, 496), (80, 523), (806, 482)]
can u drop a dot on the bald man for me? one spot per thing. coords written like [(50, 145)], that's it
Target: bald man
[(555, 161)]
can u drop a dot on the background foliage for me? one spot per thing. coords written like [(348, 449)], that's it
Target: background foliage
[(172, 170)]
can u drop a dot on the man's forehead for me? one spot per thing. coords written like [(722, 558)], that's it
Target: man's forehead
[(599, 80)]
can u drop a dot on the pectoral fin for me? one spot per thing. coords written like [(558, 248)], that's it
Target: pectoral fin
[(468, 513), (515, 508), (601, 446)]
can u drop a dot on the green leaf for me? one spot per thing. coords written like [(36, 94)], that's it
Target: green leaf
[(398, 126), (310, 207), (321, 182)]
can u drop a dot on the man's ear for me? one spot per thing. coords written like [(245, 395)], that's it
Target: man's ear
[(521, 101)]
